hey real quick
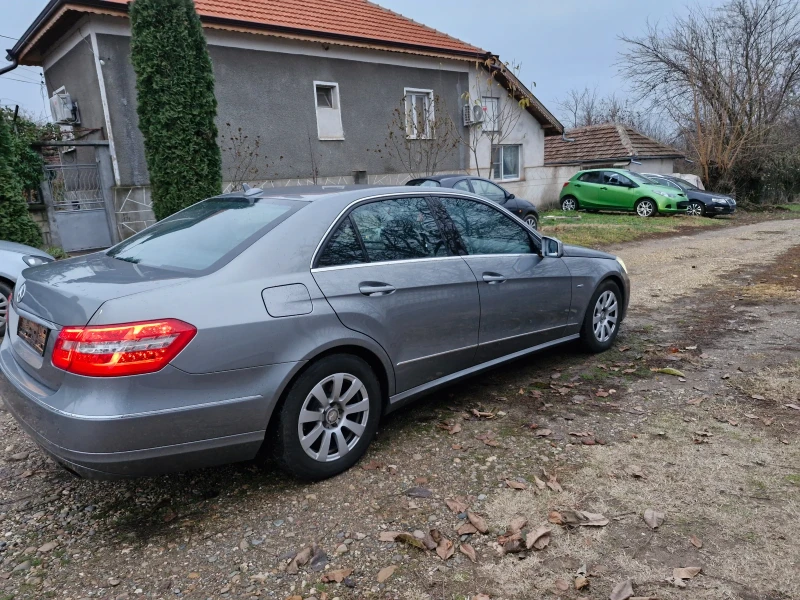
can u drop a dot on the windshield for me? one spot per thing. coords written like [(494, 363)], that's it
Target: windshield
[(639, 178), (683, 183), (205, 235)]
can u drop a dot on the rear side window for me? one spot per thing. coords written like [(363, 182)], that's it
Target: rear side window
[(343, 248), (399, 229), (484, 230), (206, 235), (592, 177), (425, 183), (462, 185)]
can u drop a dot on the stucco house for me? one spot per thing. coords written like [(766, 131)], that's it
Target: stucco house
[(315, 82)]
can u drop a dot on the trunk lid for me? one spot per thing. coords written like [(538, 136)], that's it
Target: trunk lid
[(67, 293)]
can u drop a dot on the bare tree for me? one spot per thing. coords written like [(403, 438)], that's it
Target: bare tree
[(726, 76), (421, 136), (503, 100), (579, 108)]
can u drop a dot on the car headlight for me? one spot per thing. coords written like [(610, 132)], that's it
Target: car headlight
[(622, 264), (721, 200), (665, 194), (35, 261)]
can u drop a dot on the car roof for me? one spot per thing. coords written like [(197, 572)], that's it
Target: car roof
[(442, 177)]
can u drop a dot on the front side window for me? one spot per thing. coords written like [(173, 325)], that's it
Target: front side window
[(419, 114), (489, 190), (399, 229), (343, 248), (612, 178), (205, 235), (485, 230), (505, 162)]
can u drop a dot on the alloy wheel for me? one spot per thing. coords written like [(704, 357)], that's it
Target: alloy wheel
[(531, 222), (695, 209), (568, 204), (645, 208), (605, 316), (3, 307), (333, 417)]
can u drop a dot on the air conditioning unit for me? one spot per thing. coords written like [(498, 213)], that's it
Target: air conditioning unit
[(473, 114), (64, 109)]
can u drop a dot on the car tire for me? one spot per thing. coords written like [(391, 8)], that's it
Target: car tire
[(646, 208), (696, 209), (5, 293), (327, 428), (531, 221), (602, 319), (569, 203)]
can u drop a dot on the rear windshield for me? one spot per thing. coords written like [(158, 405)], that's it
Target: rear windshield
[(424, 183), (206, 235)]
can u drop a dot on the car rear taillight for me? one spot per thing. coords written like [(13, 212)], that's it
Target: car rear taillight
[(566, 183), (116, 350)]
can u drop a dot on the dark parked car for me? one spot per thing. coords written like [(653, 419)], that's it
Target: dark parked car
[(286, 323), (487, 189), (701, 202)]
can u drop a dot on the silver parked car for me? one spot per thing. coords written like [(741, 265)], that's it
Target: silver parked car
[(252, 324), (15, 258)]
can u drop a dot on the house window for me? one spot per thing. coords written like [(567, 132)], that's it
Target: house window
[(329, 114), (491, 108), (505, 162), (419, 114)]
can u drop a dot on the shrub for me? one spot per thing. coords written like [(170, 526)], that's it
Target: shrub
[(16, 224)]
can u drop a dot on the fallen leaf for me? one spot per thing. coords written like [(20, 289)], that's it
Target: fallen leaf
[(575, 518), (696, 542), (594, 519), (581, 582), (750, 416), (429, 542), (468, 551), (539, 483), (385, 573), (622, 591), (695, 401), (768, 421), (513, 545), (450, 428), (517, 524), (561, 585), (481, 597), (409, 539), (478, 521), (757, 397), (653, 518), (337, 576), (445, 549), (482, 414), (418, 492), (373, 465), (388, 536), (792, 406), (635, 471), (555, 518), (466, 529), (538, 539), (516, 485), (457, 506), (300, 559), (704, 433), (686, 572), (601, 394), (580, 433), (670, 371), (542, 432), (553, 484)]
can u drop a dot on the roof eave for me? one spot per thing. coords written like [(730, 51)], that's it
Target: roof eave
[(581, 161), (53, 7)]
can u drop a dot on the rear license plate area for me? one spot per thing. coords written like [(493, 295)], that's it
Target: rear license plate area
[(35, 335)]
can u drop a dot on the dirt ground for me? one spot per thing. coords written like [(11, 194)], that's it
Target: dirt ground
[(710, 451)]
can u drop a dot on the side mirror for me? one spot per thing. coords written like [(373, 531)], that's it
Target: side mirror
[(552, 247), (510, 197)]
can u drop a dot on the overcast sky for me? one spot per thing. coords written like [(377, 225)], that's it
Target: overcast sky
[(560, 44)]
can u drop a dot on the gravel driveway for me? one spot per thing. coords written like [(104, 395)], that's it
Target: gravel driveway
[(465, 467)]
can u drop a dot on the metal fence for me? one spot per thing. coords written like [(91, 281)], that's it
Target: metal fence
[(74, 187)]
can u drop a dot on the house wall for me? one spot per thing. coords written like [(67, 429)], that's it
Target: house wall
[(271, 97), (661, 166)]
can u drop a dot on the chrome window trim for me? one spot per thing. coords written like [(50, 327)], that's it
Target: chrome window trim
[(415, 194), (383, 262)]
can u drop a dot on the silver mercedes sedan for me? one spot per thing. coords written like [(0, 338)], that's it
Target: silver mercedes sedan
[(286, 324)]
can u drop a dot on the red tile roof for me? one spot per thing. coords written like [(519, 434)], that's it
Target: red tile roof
[(604, 142), (357, 19)]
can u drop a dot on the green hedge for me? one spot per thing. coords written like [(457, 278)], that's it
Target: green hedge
[(16, 224), (176, 103)]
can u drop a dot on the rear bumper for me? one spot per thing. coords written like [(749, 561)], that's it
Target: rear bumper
[(140, 441)]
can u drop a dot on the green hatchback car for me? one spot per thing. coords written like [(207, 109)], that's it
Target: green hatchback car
[(620, 189)]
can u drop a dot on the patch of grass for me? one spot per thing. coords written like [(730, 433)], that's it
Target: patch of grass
[(599, 229), (792, 207), (794, 479)]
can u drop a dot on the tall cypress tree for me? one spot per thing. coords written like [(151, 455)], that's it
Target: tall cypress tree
[(16, 224), (176, 103)]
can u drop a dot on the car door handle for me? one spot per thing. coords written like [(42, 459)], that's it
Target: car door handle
[(577, 185), (375, 288), (604, 188), (492, 278)]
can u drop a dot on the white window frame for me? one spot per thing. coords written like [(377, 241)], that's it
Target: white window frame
[(411, 124), (491, 119), (329, 119), (502, 176)]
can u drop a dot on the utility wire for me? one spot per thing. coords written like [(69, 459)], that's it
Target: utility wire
[(8, 37), (22, 81)]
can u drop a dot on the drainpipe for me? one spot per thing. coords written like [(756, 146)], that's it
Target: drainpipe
[(14, 64), (565, 138)]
